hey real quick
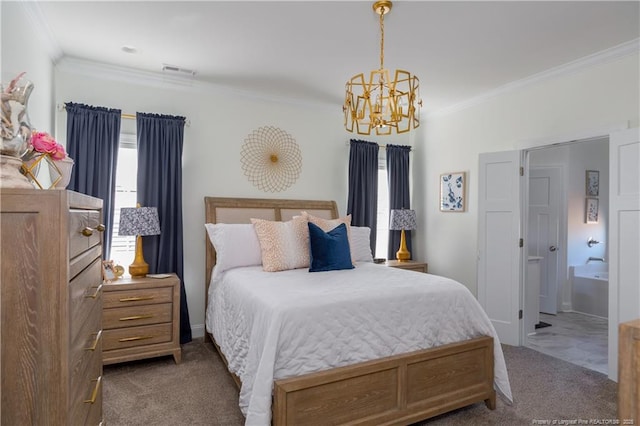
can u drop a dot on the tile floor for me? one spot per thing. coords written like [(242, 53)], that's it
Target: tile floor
[(573, 337)]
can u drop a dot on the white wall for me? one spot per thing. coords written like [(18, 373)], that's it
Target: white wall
[(587, 156), (24, 50), (600, 97)]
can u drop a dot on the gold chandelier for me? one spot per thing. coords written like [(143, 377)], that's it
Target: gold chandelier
[(381, 103)]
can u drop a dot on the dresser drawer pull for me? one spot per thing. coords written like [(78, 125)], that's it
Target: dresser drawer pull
[(95, 293), (136, 298), (88, 231), (94, 394), (131, 339), (95, 341), (136, 317)]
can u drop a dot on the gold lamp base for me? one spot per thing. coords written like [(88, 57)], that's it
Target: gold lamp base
[(403, 254), (139, 268)]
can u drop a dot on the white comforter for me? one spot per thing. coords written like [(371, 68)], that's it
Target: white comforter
[(276, 325)]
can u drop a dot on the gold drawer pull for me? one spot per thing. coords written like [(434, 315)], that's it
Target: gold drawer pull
[(88, 231), (136, 298), (95, 293), (136, 317), (131, 339), (95, 341), (94, 394)]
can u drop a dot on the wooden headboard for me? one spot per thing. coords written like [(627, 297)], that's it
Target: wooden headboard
[(241, 210)]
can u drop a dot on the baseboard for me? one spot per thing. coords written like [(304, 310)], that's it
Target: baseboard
[(197, 331), (566, 307)]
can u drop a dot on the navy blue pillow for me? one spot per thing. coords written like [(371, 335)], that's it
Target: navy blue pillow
[(329, 250)]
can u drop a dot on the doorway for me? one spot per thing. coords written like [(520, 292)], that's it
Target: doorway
[(558, 233)]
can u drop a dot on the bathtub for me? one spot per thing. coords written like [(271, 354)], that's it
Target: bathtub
[(590, 289)]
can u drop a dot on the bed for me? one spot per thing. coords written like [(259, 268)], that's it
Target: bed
[(402, 386)]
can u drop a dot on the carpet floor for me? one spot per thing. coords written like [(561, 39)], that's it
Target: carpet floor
[(200, 391)]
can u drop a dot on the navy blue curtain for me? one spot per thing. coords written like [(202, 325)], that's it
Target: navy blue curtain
[(398, 179), (93, 135), (160, 141), (362, 203)]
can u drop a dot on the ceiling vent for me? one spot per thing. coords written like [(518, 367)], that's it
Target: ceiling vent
[(172, 69)]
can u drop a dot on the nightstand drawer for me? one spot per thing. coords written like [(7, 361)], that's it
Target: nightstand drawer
[(136, 336), (137, 315), (119, 299)]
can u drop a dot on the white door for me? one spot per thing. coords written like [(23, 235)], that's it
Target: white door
[(542, 232), (624, 236), (499, 252)]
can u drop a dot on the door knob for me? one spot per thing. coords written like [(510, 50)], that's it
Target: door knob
[(553, 248)]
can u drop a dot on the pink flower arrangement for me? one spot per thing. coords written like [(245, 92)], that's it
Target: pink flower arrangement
[(43, 142)]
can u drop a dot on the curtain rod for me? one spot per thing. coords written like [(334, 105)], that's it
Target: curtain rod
[(381, 146), (123, 115)]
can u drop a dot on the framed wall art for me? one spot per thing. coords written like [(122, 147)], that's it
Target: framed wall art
[(592, 181), (108, 272), (591, 210), (452, 192)]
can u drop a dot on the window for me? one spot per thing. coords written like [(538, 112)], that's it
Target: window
[(123, 248), (382, 227)]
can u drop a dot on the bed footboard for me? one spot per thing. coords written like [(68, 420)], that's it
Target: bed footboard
[(397, 390)]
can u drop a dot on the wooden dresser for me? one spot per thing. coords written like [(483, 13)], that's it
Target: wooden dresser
[(629, 373), (51, 248), (141, 319)]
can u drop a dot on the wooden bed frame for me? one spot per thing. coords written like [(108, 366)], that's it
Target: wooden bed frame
[(395, 390)]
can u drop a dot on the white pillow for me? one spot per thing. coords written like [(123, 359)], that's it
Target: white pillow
[(360, 244), (236, 245)]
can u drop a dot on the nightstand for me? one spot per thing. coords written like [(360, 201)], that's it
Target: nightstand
[(412, 265), (141, 319)]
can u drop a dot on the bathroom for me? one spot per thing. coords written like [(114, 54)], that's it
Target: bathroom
[(568, 217)]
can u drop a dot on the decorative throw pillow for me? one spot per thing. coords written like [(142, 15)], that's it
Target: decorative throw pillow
[(328, 224), (284, 245), (236, 245), (329, 250), (361, 244)]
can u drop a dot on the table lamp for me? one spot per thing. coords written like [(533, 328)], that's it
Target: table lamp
[(401, 220), (139, 221)]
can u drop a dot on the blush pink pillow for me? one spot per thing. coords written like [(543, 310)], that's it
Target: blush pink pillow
[(284, 245)]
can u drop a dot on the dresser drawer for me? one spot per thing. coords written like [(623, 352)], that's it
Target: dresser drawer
[(86, 394), (80, 262), (80, 220), (136, 336), (85, 296), (118, 299), (136, 315), (84, 348)]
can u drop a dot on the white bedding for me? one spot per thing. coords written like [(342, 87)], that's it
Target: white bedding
[(276, 325)]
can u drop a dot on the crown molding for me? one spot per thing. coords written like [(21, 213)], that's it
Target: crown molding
[(599, 58), (40, 26), (122, 74)]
